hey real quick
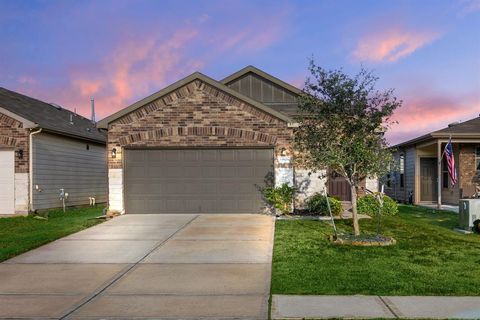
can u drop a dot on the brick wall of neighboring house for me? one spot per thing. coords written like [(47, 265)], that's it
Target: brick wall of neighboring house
[(195, 115), (13, 135), (467, 170)]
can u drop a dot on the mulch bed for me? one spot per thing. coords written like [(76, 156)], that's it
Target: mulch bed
[(363, 241)]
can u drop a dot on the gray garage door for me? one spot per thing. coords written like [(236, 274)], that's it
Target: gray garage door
[(194, 181)]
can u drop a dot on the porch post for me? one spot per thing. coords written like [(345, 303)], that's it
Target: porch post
[(439, 174)]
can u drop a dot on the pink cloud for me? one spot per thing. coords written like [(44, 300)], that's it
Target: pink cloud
[(135, 68), (391, 44), (262, 31), (423, 113), (469, 6), (145, 62)]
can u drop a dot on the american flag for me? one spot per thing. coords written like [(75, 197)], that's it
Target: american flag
[(452, 171)]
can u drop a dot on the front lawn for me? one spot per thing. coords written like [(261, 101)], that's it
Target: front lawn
[(429, 258), (20, 234)]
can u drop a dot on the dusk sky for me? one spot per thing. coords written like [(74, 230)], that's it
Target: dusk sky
[(121, 51)]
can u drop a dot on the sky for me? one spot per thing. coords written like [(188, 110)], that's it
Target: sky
[(121, 51)]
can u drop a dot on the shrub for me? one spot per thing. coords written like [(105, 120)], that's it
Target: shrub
[(476, 226), (369, 205), (317, 204), (280, 197)]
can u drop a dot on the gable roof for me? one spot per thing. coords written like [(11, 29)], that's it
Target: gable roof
[(49, 117), (466, 129), (263, 74), (194, 76)]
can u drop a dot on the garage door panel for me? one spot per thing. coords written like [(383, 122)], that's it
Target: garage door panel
[(227, 155), (246, 172), (194, 181), (245, 205), (262, 156), (228, 172), (209, 172), (246, 155), (206, 188), (154, 205), (190, 155), (207, 155)]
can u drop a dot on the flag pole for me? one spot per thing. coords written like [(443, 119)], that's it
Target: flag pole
[(443, 153)]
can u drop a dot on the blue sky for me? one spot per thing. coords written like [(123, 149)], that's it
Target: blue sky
[(121, 51)]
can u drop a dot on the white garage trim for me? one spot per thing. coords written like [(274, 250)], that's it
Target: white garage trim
[(7, 181)]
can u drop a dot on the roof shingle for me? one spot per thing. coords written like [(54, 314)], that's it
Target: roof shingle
[(49, 117)]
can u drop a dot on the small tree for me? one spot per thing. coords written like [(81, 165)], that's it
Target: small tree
[(342, 124)]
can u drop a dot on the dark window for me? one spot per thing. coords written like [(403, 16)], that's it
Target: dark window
[(389, 183), (445, 176)]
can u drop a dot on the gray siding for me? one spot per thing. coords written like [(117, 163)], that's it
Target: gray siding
[(410, 160), (266, 92), (61, 162), (395, 191)]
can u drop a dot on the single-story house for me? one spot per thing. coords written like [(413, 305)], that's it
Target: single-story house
[(202, 145), (419, 177), (45, 148)]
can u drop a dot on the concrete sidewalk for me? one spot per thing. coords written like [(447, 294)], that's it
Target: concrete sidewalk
[(364, 307)]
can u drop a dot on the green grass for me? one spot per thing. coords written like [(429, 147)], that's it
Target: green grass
[(428, 259), (20, 234)]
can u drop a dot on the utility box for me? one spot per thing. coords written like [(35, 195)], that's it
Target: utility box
[(469, 211)]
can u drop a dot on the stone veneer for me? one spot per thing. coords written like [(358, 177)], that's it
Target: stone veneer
[(196, 115)]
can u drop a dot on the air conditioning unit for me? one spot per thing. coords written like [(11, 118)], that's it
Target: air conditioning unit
[(469, 211)]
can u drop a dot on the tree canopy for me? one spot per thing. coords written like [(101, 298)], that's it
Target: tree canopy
[(342, 124)]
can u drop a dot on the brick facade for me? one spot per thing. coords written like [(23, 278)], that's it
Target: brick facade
[(197, 115), (13, 135), (467, 170)]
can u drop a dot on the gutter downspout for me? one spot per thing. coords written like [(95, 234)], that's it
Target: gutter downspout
[(30, 167)]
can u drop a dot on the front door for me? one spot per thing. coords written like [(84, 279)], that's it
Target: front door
[(428, 179), (338, 187)]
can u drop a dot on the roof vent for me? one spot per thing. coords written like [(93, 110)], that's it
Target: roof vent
[(453, 124), (71, 119), (56, 106)]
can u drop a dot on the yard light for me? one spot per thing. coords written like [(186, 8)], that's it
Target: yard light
[(114, 152)]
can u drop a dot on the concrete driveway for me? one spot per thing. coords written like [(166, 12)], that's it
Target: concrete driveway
[(146, 266)]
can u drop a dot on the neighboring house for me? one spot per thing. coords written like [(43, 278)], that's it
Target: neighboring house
[(418, 167), (201, 145), (45, 148)]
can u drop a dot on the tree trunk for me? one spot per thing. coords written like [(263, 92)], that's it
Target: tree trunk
[(356, 227)]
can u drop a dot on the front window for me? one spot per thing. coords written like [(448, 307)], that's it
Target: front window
[(445, 175)]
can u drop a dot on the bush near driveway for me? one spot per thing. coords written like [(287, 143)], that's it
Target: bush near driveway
[(317, 204), (21, 234), (428, 259)]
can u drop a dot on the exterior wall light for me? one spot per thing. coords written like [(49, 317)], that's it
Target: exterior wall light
[(114, 152), (283, 152), (19, 154)]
